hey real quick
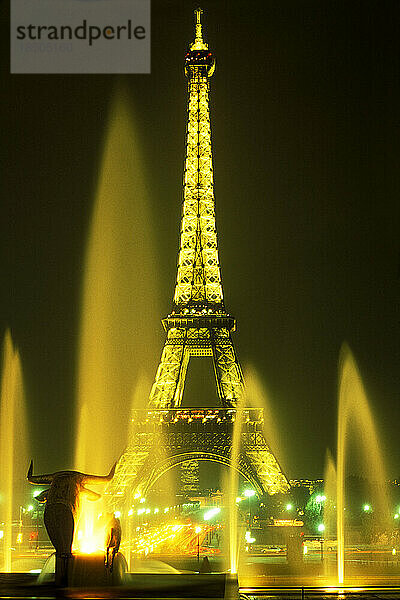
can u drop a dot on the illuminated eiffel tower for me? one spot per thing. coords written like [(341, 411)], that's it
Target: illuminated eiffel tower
[(198, 326)]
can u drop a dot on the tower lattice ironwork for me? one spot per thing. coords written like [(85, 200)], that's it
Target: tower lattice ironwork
[(200, 326)]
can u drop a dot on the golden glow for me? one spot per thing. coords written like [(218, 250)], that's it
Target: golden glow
[(119, 300), (198, 325), (353, 406), (199, 277), (232, 486), (165, 539), (90, 532), (198, 43), (133, 458), (268, 468), (169, 384), (13, 444)]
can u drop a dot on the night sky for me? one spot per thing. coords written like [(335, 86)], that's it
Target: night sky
[(305, 123)]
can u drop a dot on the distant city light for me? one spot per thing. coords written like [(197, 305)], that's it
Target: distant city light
[(156, 510), (248, 538), (320, 498), (249, 493), (137, 495), (30, 508), (130, 512), (211, 513), (366, 508), (321, 527), (289, 506), (36, 493), (198, 530), (142, 500)]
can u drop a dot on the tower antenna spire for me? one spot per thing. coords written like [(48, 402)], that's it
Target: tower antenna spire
[(198, 43)]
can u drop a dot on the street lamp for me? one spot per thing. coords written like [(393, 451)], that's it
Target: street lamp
[(249, 494)]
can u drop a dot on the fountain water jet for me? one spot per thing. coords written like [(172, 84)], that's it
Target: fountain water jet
[(353, 407), (138, 405), (119, 296), (258, 397), (13, 440), (119, 302), (329, 514), (233, 486), (253, 396)]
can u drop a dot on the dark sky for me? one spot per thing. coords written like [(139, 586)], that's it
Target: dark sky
[(305, 120)]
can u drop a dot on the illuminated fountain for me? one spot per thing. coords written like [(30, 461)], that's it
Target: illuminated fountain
[(119, 298), (233, 487), (329, 514), (254, 396), (354, 408), (117, 346), (119, 301), (258, 397), (13, 442)]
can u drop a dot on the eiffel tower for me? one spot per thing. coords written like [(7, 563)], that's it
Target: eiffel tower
[(198, 326)]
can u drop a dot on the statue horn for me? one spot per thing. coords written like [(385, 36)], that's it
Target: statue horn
[(100, 478), (39, 479)]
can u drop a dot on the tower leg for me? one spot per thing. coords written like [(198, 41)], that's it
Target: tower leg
[(167, 390), (227, 369)]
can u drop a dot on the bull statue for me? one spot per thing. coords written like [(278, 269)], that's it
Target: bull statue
[(62, 500)]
